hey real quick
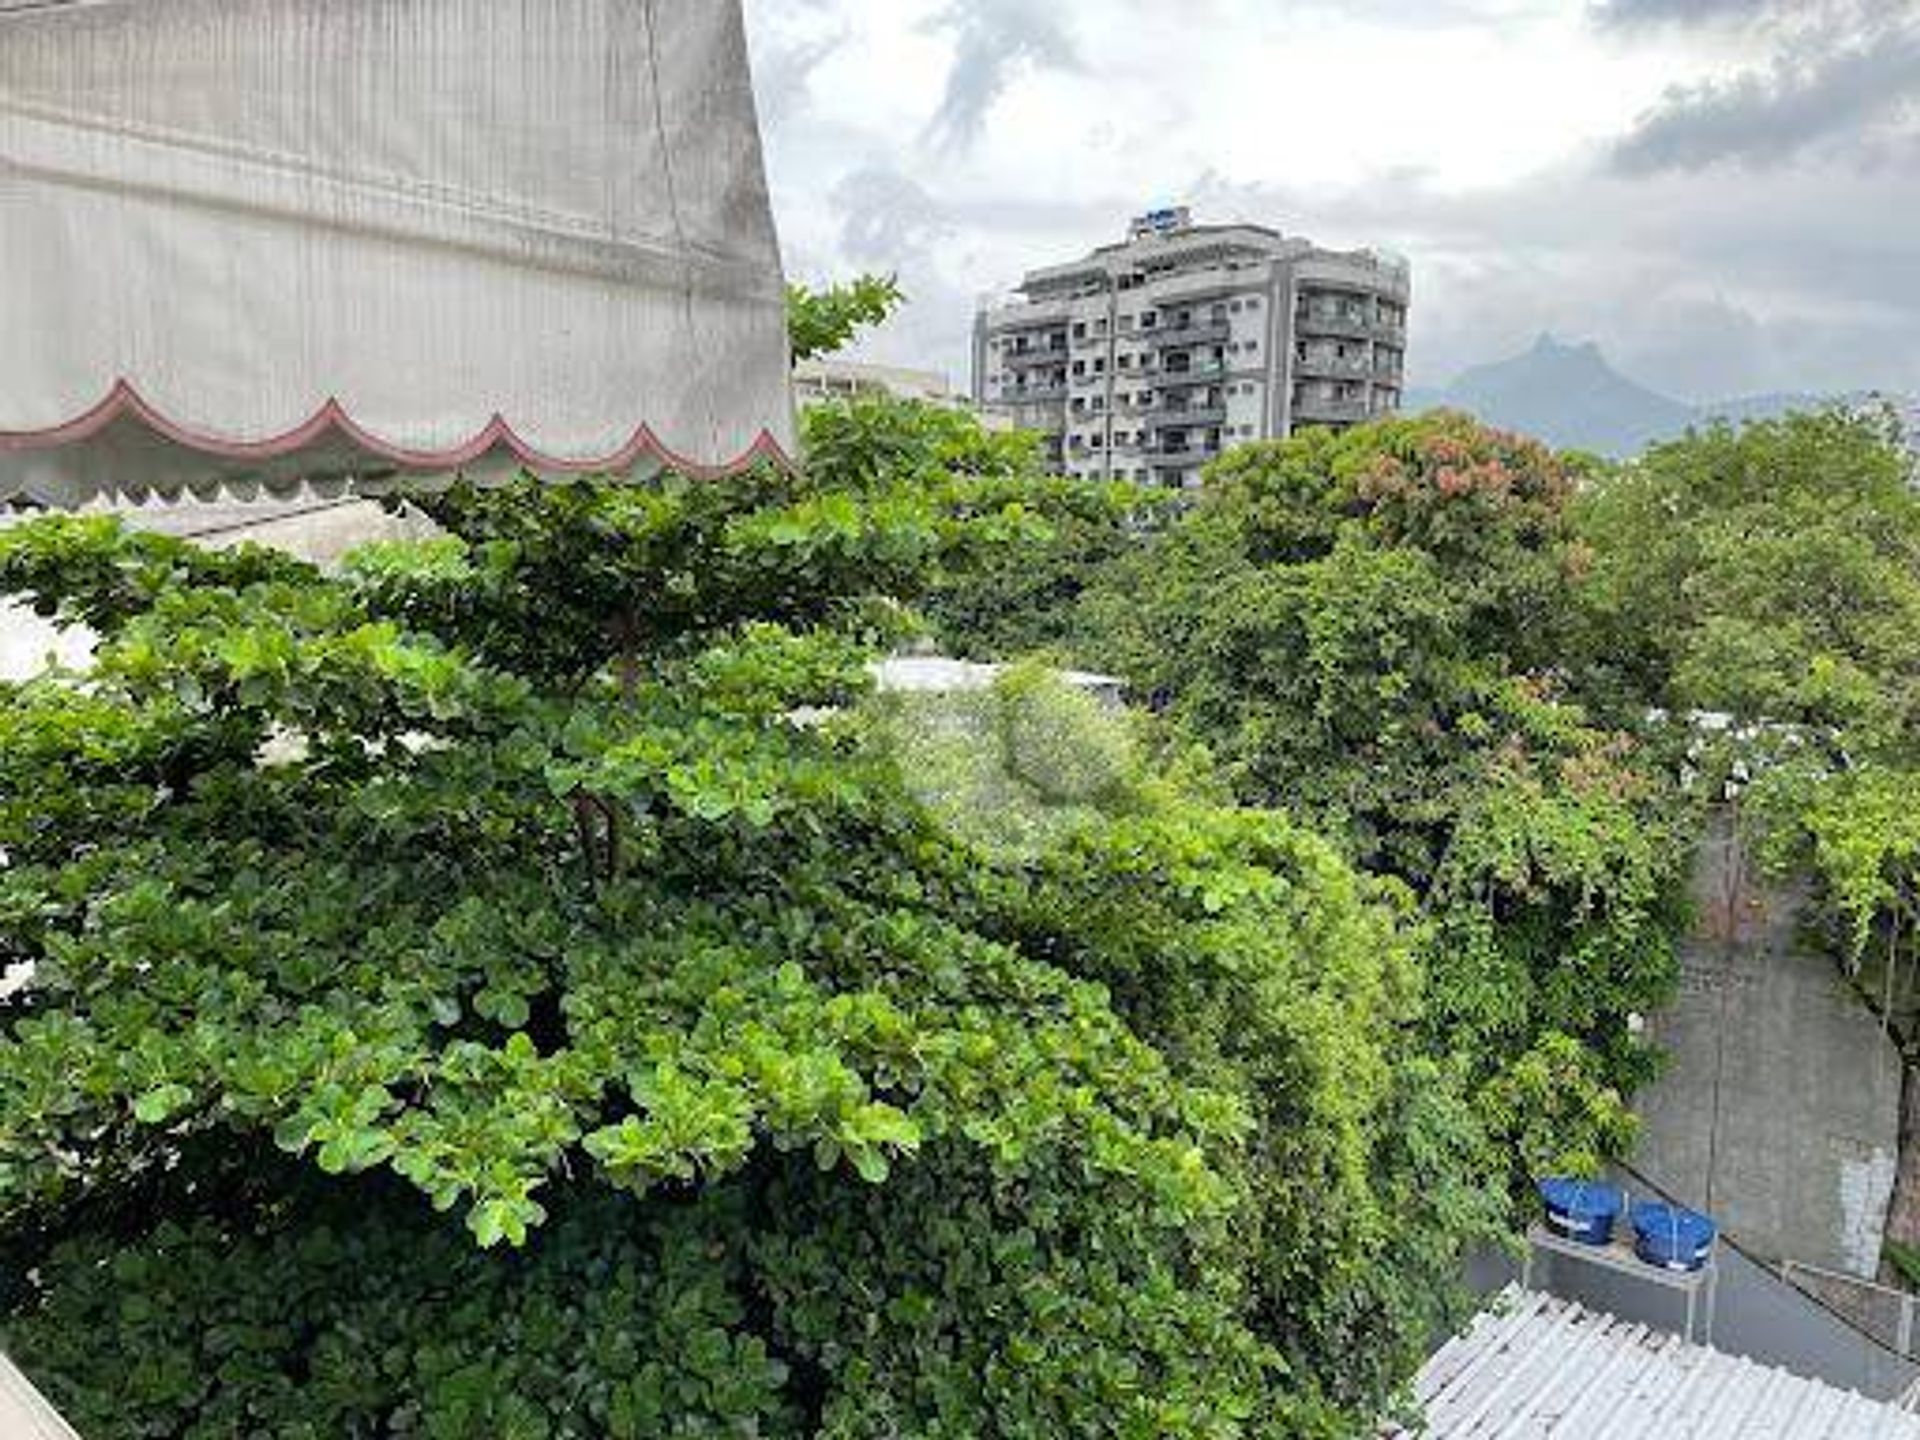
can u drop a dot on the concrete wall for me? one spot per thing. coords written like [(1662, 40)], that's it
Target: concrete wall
[(1779, 1112)]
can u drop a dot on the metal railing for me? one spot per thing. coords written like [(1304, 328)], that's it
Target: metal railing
[(1193, 375), (1885, 1313), (1315, 322), (1186, 415), (1201, 332), (1311, 364), (1311, 409), (1040, 355)]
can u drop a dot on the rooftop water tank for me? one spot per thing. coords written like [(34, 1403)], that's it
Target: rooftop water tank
[(1582, 1210), (1671, 1236)]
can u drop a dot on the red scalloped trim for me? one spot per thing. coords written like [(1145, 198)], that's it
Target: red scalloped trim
[(123, 401)]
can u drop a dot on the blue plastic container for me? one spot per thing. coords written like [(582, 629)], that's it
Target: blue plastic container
[(1671, 1236), (1582, 1210)]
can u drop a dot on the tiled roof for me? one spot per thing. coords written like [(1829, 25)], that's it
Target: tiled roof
[(1536, 1366)]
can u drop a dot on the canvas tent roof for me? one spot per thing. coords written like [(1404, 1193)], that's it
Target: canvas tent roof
[(261, 241)]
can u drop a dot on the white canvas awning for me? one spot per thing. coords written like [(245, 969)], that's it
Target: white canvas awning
[(259, 241)]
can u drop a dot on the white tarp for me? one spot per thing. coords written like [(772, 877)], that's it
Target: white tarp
[(266, 239)]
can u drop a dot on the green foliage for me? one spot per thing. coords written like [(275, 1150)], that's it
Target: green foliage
[(338, 1316), (1772, 571), (1905, 1260), (820, 322), (1018, 766), (1376, 630), (521, 986), (1860, 831)]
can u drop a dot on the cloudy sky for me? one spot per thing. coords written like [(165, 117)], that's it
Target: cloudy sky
[(1725, 194)]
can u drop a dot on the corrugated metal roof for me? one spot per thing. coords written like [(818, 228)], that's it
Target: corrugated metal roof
[(1536, 1366), (24, 1414)]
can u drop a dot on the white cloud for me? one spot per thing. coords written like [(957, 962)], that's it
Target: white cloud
[(963, 141)]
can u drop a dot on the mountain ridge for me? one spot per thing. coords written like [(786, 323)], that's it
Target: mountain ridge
[(1570, 396)]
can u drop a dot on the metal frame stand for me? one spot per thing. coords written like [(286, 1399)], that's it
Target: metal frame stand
[(1697, 1285)]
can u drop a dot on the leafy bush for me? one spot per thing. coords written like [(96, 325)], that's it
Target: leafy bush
[(1381, 631), (577, 1022)]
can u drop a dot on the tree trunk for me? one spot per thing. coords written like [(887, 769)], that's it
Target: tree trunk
[(1903, 1208)]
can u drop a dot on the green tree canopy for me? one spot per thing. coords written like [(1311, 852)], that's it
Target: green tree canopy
[(820, 322), (1378, 631), (1772, 571), (524, 985)]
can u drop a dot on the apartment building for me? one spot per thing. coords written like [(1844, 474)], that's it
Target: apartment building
[(1149, 357)]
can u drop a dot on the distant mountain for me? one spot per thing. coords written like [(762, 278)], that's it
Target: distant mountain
[(1569, 396)]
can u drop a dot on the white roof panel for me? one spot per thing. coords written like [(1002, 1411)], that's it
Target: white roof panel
[(1536, 1366), (24, 1414)]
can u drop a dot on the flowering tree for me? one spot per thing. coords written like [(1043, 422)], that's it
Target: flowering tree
[(1379, 631)]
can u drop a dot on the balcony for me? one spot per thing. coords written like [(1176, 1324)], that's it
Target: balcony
[(1203, 373), (1027, 359), (1313, 409), (1033, 395), (1313, 363), (1179, 415), (1193, 377), (1188, 454), (1333, 322), (1206, 283), (1390, 332), (1204, 332)]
